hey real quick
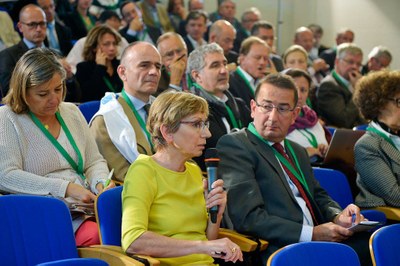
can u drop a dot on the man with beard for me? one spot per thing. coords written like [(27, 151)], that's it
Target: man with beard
[(207, 66), (119, 127)]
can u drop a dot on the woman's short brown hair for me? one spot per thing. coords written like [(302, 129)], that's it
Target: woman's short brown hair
[(374, 91), (169, 109), (35, 67), (93, 38)]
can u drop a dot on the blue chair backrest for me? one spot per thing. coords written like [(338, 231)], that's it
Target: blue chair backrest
[(361, 127), (384, 245), (336, 184), (35, 229), (109, 216), (315, 253), (88, 109)]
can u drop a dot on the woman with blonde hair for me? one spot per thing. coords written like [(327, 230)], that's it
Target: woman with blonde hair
[(164, 199), (97, 74)]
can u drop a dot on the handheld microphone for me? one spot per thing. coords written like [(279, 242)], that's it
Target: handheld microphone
[(211, 160)]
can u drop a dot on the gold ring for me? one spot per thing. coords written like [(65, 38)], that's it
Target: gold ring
[(233, 250)]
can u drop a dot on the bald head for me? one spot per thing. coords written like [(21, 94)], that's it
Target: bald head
[(304, 37), (223, 33), (32, 24)]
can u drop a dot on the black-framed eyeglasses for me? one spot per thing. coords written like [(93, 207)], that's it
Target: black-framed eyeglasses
[(396, 100), (199, 124), (351, 62), (268, 107), (34, 25)]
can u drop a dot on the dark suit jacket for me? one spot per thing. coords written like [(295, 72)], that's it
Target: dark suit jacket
[(153, 32), (189, 45), (277, 60), (8, 60), (336, 106), (232, 57), (64, 35), (329, 56), (75, 23), (217, 111), (260, 201), (90, 77), (239, 88)]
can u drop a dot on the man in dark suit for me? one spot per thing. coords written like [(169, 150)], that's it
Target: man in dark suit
[(253, 65), (59, 36), (208, 67), (135, 29), (32, 25), (223, 33), (196, 27), (272, 194), (335, 93)]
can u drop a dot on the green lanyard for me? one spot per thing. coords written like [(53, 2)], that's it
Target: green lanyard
[(240, 73), (371, 129), (138, 117), (235, 123), (78, 167), (298, 174), (310, 137), (338, 79), (88, 25), (109, 85)]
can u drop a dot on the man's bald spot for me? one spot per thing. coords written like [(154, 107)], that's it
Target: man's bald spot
[(29, 8), (129, 52)]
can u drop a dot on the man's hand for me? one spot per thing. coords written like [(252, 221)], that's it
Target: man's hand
[(330, 232), (136, 24), (345, 218), (354, 77), (320, 65), (177, 69)]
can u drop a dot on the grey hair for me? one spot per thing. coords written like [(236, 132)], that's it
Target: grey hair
[(196, 58), (347, 48), (380, 51)]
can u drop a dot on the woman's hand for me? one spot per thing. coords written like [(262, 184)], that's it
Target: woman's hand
[(80, 193), (217, 196), (101, 57), (100, 187), (225, 249), (323, 149)]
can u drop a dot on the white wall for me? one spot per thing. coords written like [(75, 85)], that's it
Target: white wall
[(375, 22)]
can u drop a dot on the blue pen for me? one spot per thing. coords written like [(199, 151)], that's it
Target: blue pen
[(353, 219)]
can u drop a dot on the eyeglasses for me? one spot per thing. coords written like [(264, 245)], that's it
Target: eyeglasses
[(396, 100), (282, 109), (351, 62), (199, 124), (34, 25)]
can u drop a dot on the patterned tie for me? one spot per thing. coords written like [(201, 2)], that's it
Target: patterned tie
[(53, 43), (279, 148), (146, 108)]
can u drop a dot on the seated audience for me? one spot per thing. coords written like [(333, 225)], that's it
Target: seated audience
[(173, 53), (329, 55), (226, 10), (265, 31), (265, 198), (97, 74), (377, 152), (176, 13), (164, 199), (80, 21), (307, 130), (379, 58), (45, 144), (208, 69), (196, 27), (135, 30), (254, 64), (75, 56), (119, 127), (334, 96), (155, 15)]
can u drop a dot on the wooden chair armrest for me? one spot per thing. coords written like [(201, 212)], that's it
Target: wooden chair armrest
[(390, 212), (245, 243), (114, 255)]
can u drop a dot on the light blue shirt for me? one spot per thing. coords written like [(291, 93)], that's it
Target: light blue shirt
[(31, 45), (308, 224)]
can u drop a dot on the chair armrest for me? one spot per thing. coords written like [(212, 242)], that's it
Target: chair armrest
[(245, 243), (113, 255), (390, 212)]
